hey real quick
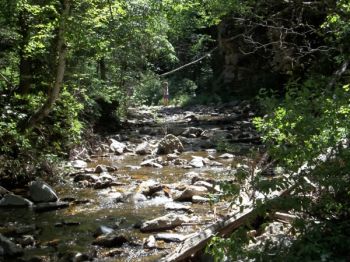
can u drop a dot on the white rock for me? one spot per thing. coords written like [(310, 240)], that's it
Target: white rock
[(116, 147), (170, 237), (200, 199), (151, 163), (168, 221), (226, 156), (150, 242), (177, 207), (197, 162), (79, 164)]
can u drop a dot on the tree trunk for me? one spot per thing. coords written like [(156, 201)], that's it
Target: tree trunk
[(103, 69), (55, 90), (25, 76)]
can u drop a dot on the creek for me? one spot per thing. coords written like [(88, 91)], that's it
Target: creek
[(69, 234)]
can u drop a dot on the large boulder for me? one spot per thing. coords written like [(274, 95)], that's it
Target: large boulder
[(170, 144), (8, 248), (168, 221), (14, 201), (41, 192)]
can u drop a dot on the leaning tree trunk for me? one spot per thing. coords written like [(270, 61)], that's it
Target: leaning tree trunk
[(61, 65)]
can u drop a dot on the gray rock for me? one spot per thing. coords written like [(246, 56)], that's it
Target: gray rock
[(143, 149), (170, 237), (14, 201), (170, 144), (41, 192), (9, 249), (79, 164), (110, 240), (191, 191), (168, 221)]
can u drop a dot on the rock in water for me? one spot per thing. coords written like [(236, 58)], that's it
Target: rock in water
[(163, 223), (79, 164), (9, 249), (150, 242), (41, 192), (192, 132), (170, 237), (170, 144), (191, 191), (3, 191), (227, 156), (197, 162), (110, 240), (143, 149), (14, 201), (117, 147)]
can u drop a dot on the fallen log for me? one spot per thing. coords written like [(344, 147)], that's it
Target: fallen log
[(198, 241)]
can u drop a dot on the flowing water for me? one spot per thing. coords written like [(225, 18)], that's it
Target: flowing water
[(60, 234)]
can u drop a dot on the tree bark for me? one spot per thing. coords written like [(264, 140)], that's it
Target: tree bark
[(61, 65)]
